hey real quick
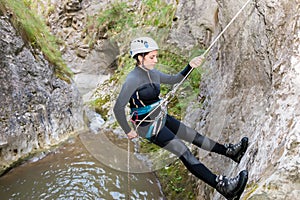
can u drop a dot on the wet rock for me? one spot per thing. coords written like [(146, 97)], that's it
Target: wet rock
[(72, 5), (37, 110), (82, 51)]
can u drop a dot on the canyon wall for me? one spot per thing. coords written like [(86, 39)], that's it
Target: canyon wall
[(37, 109), (251, 88)]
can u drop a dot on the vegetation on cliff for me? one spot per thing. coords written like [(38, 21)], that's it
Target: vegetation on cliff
[(34, 30)]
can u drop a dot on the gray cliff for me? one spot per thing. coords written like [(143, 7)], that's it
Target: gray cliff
[(37, 109), (251, 87)]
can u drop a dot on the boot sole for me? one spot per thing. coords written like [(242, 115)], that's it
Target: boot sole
[(242, 182)]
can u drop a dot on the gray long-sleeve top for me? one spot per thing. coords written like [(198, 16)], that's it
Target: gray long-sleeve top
[(141, 88)]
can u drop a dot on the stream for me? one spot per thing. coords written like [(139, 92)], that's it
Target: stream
[(72, 172)]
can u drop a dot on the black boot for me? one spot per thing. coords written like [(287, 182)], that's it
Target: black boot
[(232, 188), (236, 151)]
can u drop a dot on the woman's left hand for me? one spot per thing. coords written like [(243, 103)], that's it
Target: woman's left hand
[(197, 61)]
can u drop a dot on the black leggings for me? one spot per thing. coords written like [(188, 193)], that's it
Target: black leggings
[(170, 138)]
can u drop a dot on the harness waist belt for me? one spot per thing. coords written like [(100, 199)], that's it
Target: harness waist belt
[(145, 109)]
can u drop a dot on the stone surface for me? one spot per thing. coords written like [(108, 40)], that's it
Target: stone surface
[(195, 21), (69, 22), (251, 88), (37, 110)]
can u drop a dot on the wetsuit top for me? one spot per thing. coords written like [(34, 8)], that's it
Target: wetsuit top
[(142, 88)]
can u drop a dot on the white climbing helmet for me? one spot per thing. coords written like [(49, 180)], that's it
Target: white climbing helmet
[(142, 45)]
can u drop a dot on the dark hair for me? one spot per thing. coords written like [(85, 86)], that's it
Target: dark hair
[(139, 54)]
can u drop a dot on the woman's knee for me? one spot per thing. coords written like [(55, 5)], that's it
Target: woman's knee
[(176, 146), (189, 159)]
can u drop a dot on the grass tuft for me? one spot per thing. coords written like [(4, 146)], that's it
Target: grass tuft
[(34, 30)]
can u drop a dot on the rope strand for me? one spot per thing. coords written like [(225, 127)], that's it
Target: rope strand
[(226, 27), (128, 170)]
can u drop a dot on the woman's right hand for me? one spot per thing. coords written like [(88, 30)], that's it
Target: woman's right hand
[(197, 61), (132, 134)]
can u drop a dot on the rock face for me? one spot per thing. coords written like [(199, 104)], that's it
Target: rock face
[(37, 109), (195, 22), (251, 88), (69, 22)]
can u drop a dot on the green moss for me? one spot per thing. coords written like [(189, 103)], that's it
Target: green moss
[(176, 182), (114, 19), (120, 19), (34, 30), (157, 13), (99, 107), (109, 23), (174, 63), (126, 64)]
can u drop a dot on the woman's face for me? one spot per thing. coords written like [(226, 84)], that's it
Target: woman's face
[(150, 59)]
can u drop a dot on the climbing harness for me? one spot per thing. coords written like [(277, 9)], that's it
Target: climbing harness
[(145, 109), (156, 123)]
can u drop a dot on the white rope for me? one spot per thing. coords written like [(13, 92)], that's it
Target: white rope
[(223, 31), (128, 170), (214, 41)]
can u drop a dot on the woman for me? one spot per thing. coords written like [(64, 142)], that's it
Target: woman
[(142, 89)]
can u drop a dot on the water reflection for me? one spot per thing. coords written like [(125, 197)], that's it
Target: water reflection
[(71, 172)]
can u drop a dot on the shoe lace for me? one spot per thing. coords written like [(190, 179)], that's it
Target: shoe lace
[(233, 148), (227, 184), (233, 181)]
